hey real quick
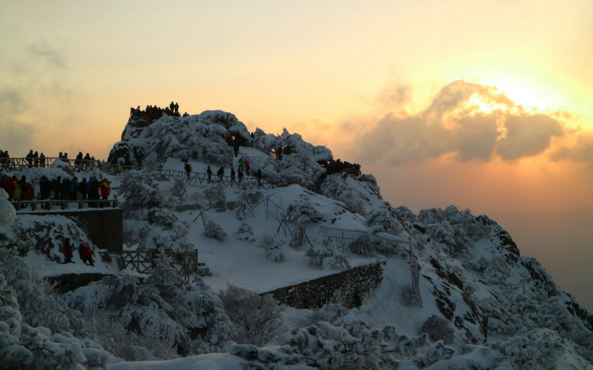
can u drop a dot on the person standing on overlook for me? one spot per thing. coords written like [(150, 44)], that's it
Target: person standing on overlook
[(188, 169)]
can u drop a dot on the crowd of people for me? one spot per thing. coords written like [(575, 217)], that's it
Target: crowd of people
[(154, 112), (338, 166), (57, 189), (36, 159)]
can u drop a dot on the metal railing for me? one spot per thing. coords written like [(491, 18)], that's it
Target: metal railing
[(228, 181), (64, 205)]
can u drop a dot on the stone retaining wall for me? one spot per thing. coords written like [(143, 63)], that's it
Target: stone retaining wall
[(351, 285)]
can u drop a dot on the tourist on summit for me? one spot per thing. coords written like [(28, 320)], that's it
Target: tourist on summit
[(247, 167), (67, 249), (241, 163), (42, 160), (185, 114), (176, 106), (105, 188), (240, 176), (94, 188), (83, 188), (172, 107), (78, 162), (209, 172), (220, 173), (85, 254), (36, 159), (74, 185), (232, 176), (29, 158), (65, 189), (188, 169)]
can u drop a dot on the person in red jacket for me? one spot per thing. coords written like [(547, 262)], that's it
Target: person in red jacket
[(85, 254), (67, 249), (247, 167), (42, 160), (105, 189)]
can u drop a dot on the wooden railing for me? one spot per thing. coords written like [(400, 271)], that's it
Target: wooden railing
[(55, 204), (185, 263)]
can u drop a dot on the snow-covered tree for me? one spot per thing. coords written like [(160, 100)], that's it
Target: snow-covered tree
[(215, 231), (272, 245), (405, 213), (335, 187), (243, 205), (363, 246), (438, 328), (7, 211), (300, 214), (245, 232), (256, 318), (179, 188), (382, 221), (327, 253), (216, 195), (165, 302)]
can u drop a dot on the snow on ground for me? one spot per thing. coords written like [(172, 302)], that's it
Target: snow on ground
[(213, 361)]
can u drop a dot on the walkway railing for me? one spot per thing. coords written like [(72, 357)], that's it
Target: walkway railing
[(55, 204), (264, 182), (185, 263), (387, 245)]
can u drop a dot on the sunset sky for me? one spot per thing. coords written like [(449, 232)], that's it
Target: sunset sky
[(487, 105)]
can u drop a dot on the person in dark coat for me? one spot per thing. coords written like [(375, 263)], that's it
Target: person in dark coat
[(232, 176), (94, 190), (209, 172), (29, 158), (36, 159), (74, 185), (220, 173), (83, 188), (67, 249), (85, 253), (240, 176)]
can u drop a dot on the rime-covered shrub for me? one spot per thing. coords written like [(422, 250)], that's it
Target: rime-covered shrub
[(272, 245), (216, 195), (302, 213), (245, 232), (7, 211), (179, 188), (363, 246), (326, 253), (497, 271), (408, 296), (335, 187), (140, 189), (215, 231), (431, 216), (381, 220), (27, 346), (405, 213), (243, 205), (164, 302), (437, 329), (151, 344), (38, 304), (256, 318)]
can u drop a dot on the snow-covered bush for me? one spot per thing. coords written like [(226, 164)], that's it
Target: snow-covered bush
[(165, 302), (437, 329), (179, 188), (381, 220), (272, 245), (245, 232), (215, 231), (327, 253), (335, 187), (405, 213), (431, 216), (300, 214), (408, 296), (149, 218), (7, 211), (216, 195), (497, 271), (26, 347), (244, 205), (363, 246), (38, 304), (151, 344), (256, 318)]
